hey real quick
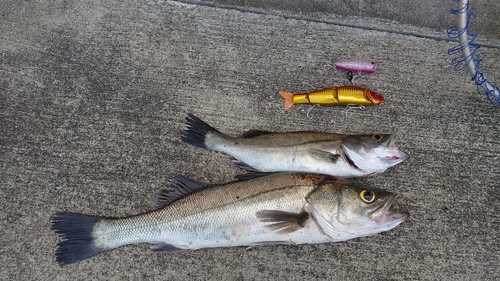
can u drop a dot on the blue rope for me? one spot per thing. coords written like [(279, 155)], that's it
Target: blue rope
[(484, 87)]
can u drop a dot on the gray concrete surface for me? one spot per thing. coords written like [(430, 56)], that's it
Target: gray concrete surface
[(431, 14), (93, 96)]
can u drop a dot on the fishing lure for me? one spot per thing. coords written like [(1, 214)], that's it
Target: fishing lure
[(467, 48), (344, 95), (357, 65)]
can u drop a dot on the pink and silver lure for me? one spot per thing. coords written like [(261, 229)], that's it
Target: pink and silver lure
[(357, 65)]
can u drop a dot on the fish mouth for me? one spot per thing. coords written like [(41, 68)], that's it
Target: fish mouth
[(382, 214), (377, 159), (390, 142), (396, 159), (397, 156)]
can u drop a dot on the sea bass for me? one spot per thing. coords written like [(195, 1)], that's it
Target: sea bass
[(273, 209), (341, 156)]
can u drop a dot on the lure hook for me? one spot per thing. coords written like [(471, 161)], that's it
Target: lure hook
[(351, 76), (328, 65), (309, 110), (350, 107)]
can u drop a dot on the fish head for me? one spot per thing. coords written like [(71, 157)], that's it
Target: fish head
[(373, 153), (374, 97), (355, 211), (367, 211)]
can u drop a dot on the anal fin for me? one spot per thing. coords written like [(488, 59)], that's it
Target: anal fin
[(244, 166), (166, 248), (283, 222)]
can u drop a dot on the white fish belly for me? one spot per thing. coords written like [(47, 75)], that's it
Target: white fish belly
[(242, 228), (284, 159)]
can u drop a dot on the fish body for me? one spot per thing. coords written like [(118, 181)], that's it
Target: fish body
[(274, 209), (341, 156), (344, 95), (357, 65)]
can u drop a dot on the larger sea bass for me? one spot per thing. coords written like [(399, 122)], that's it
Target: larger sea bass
[(341, 156), (279, 208)]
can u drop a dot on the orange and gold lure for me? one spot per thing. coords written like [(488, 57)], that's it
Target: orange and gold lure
[(344, 95)]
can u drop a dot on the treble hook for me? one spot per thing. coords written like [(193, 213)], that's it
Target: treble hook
[(309, 110), (351, 76), (328, 65), (351, 107)]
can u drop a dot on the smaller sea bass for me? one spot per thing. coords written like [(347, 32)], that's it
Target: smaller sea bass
[(357, 65), (275, 209), (344, 95), (341, 156)]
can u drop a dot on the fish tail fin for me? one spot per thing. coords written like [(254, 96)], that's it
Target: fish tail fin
[(77, 231), (288, 99), (196, 131)]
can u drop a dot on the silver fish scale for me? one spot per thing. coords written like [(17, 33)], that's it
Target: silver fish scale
[(210, 221)]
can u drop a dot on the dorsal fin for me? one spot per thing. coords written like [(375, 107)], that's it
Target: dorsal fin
[(180, 187), (254, 133)]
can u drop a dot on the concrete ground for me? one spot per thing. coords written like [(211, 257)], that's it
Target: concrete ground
[(93, 96)]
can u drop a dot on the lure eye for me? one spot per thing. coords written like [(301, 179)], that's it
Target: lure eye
[(377, 137), (367, 196), (372, 62)]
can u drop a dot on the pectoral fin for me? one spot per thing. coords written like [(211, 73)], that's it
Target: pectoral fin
[(283, 222), (324, 155)]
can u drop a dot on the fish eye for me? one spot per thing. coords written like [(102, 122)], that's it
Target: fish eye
[(372, 62), (367, 196), (377, 137)]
